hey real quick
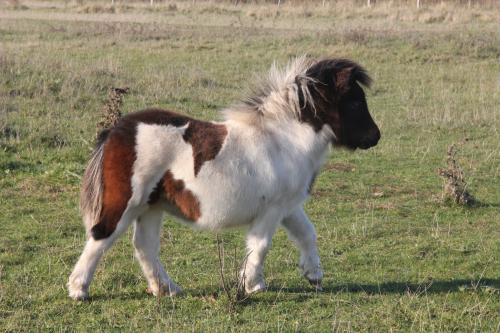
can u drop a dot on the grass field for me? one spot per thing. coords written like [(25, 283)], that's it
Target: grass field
[(396, 256)]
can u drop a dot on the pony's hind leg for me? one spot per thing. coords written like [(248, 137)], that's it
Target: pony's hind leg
[(301, 231), (81, 277), (147, 230)]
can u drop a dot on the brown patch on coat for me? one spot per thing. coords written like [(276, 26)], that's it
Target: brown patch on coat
[(118, 162), (174, 191), (119, 157), (182, 198), (206, 139), (154, 117)]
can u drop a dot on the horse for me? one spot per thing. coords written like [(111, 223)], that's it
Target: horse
[(254, 168)]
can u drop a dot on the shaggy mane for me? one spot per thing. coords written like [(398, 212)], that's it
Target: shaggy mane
[(276, 94), (284, 91)]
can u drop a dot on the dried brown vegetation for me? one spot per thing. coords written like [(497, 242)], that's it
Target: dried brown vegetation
[(455, 186), (111, 110), (233, 284)]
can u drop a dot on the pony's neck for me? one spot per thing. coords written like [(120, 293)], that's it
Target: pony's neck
[(300, 138)]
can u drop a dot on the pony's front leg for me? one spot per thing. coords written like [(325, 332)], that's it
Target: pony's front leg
[(147, 233), (301, 231), (258, 242)]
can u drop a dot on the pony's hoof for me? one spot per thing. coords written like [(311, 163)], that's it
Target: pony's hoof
[(78, 295), (316, 284), (172, 290), (257, 288), (166, 290), (76, 290), (314, 275)]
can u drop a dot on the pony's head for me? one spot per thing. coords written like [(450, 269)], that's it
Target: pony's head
[(339, 101)]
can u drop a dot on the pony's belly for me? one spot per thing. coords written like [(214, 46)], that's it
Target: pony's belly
[(229, 198), (220, 213), (216, 214)]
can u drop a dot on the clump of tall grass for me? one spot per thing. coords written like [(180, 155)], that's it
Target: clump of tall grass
[(233, 285), (455, 186), (112, 108)]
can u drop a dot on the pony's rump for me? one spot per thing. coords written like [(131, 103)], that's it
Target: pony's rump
[(107, 186)]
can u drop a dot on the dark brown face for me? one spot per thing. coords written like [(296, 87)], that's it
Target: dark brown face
[(357, 128), (340, 102)]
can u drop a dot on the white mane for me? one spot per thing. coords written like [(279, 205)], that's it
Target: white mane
[(276, 95)]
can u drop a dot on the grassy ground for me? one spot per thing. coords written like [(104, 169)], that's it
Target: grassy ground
[(396, 257)]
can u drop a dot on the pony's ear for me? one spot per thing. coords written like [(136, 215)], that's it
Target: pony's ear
[(338, 74), (348, 75), (344, 78)]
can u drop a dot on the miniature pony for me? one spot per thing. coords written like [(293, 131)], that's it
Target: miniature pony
[(255, 168)]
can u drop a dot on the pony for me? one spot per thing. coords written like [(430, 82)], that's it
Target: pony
[(254, 168)]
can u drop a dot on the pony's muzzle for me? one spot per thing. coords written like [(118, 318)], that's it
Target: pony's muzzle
[(370, 140)]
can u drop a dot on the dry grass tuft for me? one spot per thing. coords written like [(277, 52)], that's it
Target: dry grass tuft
[(455, 186), (234, 285), (111, 110)]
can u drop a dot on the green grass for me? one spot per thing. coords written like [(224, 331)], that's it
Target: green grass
[(396, 257)]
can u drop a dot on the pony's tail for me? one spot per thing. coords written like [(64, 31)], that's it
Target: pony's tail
[(92, 186)]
